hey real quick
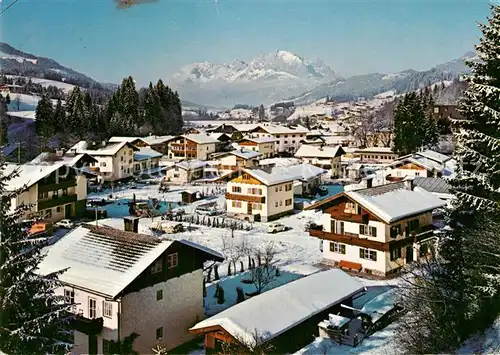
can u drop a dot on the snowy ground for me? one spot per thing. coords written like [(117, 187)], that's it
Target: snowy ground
[(46, 82)]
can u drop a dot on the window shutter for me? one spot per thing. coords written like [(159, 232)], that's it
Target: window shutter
[(361, 253), (374, 255), (342, 248), (374, 231), (361, 229)]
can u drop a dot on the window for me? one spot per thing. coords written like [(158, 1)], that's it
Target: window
[(107, 347), (285, 142), (281, 202), (65, 192), (236, 189), (92, 308), (159, 333), (395, 254), (281, 188), (288, 187), (159, 295), (395, 230), (43, 195), (107, 309), (417, 173), (368, 254), (207, 148), (367, 230), (157, 266), (337, 247), (103, 163), (176, 175), (121, 158), (55, 193), (69, 296), (276, 188), (276, 204), (412, 226), (48, 213), (172, 260), (129, 152), (436, 109), (293, 135), (288, 202), (236, 204)]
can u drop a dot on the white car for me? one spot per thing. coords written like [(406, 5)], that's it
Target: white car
[(65, 223), (275, 228)]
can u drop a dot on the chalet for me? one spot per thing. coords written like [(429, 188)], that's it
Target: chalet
[(285, 317), (147, 160), (376, 155), (288, 137), (185, 171), (265, 145), (322, 156), (158, 143), (242, 158), (258, 195), (376, 230), (307, 177), (192, 146), (126, 285), (115, 161), (424, 164), (53, 191)]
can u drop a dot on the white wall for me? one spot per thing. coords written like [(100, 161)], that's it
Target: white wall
[(177, 175), (180, 309), (203, 150), (279, 196), (352, 254)]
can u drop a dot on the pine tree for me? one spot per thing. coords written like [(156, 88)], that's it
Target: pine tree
[(44, 118), (262, 112), (409, 124), (33, 320)]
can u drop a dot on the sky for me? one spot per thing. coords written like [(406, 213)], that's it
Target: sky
[(153, 40)]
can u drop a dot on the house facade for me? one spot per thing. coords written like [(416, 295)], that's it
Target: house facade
[(152, 291), (288, 138), (54, 191), (115, 161), (325, 157), (376, 155), (147, 160), (185, 171), (192, 146), (377, 230), (257, 195), (238, 159), (265, 145), (421, 164)]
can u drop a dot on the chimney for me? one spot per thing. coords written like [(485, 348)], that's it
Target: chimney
[(408, 182), (131, 224), (103, 144)]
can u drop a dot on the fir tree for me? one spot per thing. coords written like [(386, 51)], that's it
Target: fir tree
[(262, 112), (33, 320), (44, 118)]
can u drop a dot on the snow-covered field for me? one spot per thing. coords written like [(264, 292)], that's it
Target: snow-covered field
[(46, 82)]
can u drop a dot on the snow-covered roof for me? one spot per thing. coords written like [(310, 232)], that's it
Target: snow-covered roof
[(380, 305), (103, 260), (390, 202), (244, 127), (275, 311), (260, 140), (419, 161), (315, 151), (432, 155), (430, 184), (191, 164), (146, 153), (117, 139), (271, 179), (152, 140), (70, 160), (28, 174), (200, 138), (218, 135), (302, 171), (110, 149), (278, 129), (375, 150), (245, 153), (337, 321)]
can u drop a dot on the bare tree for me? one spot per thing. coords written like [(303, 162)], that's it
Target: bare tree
[(263, 274), (253, 344), (160, 348), (234, 250)]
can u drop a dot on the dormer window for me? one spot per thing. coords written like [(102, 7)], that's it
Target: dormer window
[(157, 266)]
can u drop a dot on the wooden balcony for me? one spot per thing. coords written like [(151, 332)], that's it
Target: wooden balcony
[(52, 202), (339, 214), (247, 198), (53, 186), (350, 239), (88, 326)]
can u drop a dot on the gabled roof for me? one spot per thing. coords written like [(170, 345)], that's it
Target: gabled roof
[(259, 140), (278, 129), (315, 151), (430, 184), (245, 154), (152, 140), (124, 139), (200, 138), (271, 179), (70, 160), (29, 174), (390, 202), (104, 260), (303, 171), (190, 164), (146, 153), (278, 310), (435, 156), (110, 149), (218, 136)]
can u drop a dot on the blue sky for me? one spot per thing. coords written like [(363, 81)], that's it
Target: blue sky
[(154, 40)]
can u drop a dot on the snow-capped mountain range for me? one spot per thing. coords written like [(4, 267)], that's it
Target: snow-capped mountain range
[(277, 66), (284, 75)]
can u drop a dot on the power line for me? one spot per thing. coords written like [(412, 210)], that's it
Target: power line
[(8, 7)]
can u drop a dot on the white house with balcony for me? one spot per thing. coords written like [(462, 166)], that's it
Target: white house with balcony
[(377, 230), (259, 195), (288, 138), (124, 285), (326, 157)]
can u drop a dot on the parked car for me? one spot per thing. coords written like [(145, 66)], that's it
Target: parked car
[(276, 227), (178, 212), (65, 223), (206, 211)]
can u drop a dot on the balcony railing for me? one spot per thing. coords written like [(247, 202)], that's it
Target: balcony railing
[(349, 239), (88, 326), (247, 198), (340, 215), (52, 202), (61, 185)]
